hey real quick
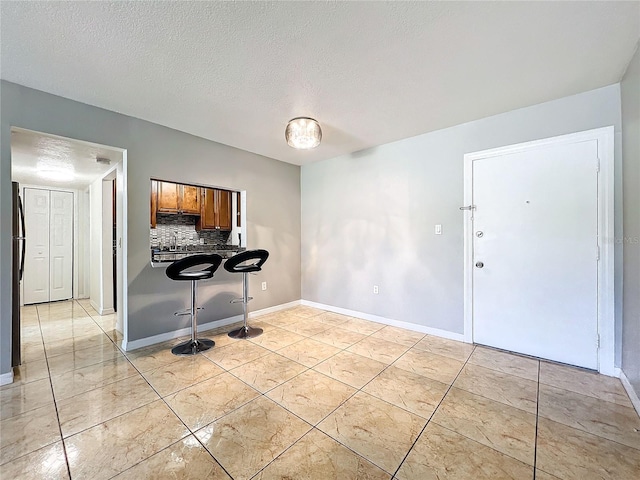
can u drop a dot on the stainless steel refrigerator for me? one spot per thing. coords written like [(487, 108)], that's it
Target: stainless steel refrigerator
[(19, 240)]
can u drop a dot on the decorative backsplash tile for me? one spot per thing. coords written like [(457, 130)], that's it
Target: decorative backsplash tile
[(183, 229)]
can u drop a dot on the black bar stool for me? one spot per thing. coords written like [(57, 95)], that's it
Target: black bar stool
[(236, 264), (181, 270)]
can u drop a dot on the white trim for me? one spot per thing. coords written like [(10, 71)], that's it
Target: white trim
[(122, 229), (101, 311), (387, 321), (6, 378), (163, 337), (606, 318), (277, 308), (633, 396)]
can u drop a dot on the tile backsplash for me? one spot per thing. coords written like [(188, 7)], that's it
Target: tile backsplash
[(184, 228)]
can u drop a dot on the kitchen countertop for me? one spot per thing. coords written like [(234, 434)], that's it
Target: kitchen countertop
[(164, 257)]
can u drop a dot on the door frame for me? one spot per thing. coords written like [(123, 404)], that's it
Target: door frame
[(606, 241), (122, 230)]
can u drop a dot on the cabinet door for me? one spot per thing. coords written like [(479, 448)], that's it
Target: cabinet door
[(190, 200), (223, 209), (168, 197), (154, 203), (238, 210), (207, 220)]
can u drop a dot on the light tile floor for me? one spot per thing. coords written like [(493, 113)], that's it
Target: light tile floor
[(318, 396)]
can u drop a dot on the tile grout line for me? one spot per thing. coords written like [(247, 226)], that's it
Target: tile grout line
[(53, 395), (315, 426), (160, 397), (434, 412), (535, 443), (357, 390)]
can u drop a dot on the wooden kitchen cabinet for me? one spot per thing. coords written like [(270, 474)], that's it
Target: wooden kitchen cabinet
[(168, 197), (190, 200), (223, 204), (177, 198), (215, 212)]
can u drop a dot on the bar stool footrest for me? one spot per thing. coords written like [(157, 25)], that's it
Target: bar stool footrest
[(240, 300), (186, 312), (193, 347)]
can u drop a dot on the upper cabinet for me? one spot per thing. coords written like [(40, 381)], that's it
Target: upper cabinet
[(190, 200), (212, 206), (215, 213), (174, 198), (178, 198)]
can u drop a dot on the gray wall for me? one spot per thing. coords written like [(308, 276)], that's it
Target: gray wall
[(630, 91), (368, 218), (273, 207)]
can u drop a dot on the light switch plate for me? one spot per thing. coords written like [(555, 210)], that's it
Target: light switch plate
[(438, 229)]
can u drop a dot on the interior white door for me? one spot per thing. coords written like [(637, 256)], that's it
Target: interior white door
[(36, 264), (535, 274), (61, 246)]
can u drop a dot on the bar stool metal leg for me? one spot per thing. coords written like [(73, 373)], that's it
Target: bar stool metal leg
[(195, 345), (245, 331)]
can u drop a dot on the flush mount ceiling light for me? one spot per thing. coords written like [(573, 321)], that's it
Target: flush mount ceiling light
[(303, 133)]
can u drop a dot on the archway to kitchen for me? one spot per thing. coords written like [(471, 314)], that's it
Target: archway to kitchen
[(78, 243)]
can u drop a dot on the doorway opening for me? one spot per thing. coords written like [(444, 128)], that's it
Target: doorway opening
[(74, 248)]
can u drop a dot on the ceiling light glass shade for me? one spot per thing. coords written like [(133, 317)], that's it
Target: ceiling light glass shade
[(303, 133)]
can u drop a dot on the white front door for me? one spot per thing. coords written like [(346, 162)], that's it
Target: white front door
[(61, 246), (36, 264), (535, 257)]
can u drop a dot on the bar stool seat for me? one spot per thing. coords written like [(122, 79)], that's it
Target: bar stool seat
[(181, 270), (238, 264)]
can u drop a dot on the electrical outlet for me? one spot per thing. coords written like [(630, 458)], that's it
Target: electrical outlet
[(264, 285), (375, 289)]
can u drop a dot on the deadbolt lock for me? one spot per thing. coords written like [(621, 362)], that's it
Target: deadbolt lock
[(479, 234), (479, 264)]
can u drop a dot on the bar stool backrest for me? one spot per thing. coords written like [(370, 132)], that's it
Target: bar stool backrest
[(179, 270), (236, 264)]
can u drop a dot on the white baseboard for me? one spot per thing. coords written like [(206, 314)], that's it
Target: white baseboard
[(633, 396), (6, 378), (388, 321), (163, 337), (277, 308), (101, 311)]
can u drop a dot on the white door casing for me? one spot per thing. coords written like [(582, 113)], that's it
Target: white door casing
[(36, 267), (61, 246), (545, 210)]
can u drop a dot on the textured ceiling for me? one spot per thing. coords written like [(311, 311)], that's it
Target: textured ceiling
[(35, 155), (371, 73)]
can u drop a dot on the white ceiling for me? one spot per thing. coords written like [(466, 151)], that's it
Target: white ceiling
[(370, 73), (34, 155)]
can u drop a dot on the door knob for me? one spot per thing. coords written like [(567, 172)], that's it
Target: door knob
[(479, 264)]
